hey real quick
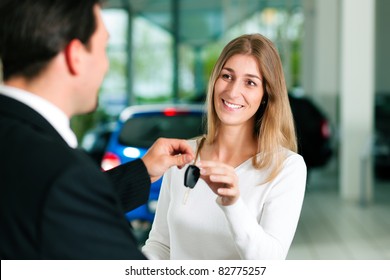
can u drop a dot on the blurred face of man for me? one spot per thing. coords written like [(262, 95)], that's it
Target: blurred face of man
[(95, 66)]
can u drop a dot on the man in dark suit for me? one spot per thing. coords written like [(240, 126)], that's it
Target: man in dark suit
[(55, 203)]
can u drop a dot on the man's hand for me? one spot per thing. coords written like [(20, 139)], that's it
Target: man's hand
[(165, 153)]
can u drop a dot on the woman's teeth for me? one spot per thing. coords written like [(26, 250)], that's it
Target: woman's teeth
[(233, 106)]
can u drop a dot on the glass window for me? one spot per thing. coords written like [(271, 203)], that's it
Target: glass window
[(142, 131)]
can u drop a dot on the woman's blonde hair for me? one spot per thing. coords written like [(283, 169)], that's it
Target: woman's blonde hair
[(274, 125)]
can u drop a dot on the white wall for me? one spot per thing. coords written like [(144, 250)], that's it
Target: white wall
[(357, 81), (321, 54)]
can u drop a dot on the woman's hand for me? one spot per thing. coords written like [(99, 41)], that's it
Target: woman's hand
[(222, 180)]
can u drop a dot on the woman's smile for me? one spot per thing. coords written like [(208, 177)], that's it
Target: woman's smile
[(231, 106)]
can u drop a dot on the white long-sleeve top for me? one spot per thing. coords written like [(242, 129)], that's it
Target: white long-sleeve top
[(260, 225)]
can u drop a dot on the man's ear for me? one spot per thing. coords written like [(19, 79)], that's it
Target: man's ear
[(73, 56)]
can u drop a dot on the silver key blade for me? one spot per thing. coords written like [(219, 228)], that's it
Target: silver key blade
[(186, 193)]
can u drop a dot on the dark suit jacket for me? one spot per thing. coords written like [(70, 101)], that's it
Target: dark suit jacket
[(55, 203)]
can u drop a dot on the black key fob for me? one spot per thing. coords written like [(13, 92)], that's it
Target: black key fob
[(191, 176)]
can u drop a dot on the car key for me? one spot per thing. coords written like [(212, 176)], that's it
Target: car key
[(191, 177)]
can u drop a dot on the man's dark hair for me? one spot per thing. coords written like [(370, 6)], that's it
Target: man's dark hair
[(32, 32)]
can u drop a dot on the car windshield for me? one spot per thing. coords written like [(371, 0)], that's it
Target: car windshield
[(143, 131)]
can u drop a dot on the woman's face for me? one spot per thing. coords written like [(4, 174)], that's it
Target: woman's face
[(238, 91)]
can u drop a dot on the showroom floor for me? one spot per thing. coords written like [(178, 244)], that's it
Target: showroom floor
[(333, 229)]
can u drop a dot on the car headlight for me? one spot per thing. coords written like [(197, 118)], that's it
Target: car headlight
[(131, 152)]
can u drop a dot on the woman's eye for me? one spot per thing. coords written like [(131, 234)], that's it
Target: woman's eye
[(251, 83), (226, 76)]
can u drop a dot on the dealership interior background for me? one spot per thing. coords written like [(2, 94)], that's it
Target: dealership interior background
[(335, 52)]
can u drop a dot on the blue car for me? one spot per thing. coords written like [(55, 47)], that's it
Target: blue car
[(137, 129)]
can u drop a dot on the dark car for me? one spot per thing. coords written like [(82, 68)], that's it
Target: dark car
[(381, 148), (313, 132)]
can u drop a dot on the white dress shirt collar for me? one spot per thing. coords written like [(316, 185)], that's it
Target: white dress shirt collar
[(50, 112)]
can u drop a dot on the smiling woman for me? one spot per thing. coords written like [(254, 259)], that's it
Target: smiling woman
[(248, 201)]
